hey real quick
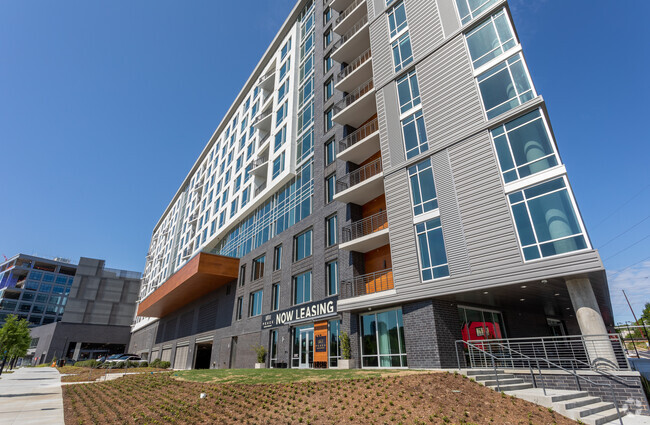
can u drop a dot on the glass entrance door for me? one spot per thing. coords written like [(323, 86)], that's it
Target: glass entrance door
[(306, 347)]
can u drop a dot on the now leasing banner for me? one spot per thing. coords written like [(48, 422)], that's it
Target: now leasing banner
[(306, 311)]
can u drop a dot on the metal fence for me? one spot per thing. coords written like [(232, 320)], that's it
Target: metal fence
[(358, 135), (367, 284), (364, 227), (359, 175), (354, 96)]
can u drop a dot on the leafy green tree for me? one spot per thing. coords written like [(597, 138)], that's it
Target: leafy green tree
[(645, 315), (14, 339)]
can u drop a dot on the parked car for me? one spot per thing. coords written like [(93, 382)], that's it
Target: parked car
[(124, 358)]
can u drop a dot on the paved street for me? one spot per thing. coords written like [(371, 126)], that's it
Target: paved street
[(31, 396)]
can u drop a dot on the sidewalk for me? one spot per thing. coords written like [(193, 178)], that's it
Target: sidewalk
[(31, 396)]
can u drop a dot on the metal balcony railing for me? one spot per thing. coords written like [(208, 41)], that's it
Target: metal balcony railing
[(264, 139), (359, 175), (350, 33), (367, 284), (261, 161), (261, 117), (348, 10), (260, 188), (269, 74), (358, 134), (364, 227), (354, 96), (363, 58)]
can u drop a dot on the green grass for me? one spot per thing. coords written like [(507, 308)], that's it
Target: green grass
[(275, 376)]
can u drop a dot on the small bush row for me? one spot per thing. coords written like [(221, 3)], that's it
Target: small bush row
[(160, 364)]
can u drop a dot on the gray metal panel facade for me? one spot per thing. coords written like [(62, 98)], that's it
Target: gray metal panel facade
[(452, 226), (448, 16), (383, 130), (382, 61), (393, 128), (424, 26)]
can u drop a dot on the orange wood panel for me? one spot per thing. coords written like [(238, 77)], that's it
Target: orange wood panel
[(201, 275), (374, 206), (372, 157), (368, 120), (378, 259)]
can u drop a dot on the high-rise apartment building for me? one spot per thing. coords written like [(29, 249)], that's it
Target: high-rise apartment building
[(388, 170)]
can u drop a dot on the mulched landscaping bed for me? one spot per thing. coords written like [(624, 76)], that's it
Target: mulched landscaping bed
[(431, 398), (84, 374)]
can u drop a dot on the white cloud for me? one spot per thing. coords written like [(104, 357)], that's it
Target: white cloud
[(636, 283)]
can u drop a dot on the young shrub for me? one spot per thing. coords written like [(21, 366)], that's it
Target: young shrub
[(260, 351), (345, 346), (165, 365)]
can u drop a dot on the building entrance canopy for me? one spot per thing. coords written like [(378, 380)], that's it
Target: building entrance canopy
[(201, 275)]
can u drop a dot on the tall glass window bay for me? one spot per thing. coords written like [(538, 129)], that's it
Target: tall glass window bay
[(382, 339), (546, 220), (431, 244), (524, 146), (505, 86), (402, 52), (408, 92), (490, 39), (255, 303), (397, 19), (302, 288), (423, 189), (302, 245), (468, 9), (415, 135)]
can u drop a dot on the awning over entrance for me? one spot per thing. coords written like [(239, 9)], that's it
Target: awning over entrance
[(201, 275)]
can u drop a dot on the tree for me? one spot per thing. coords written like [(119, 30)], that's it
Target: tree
[(645, 315), (14, 339)]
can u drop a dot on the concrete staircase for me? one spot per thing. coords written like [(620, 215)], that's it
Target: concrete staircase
[(577, 405)]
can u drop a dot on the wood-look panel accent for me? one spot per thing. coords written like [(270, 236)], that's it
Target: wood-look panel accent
[(201, 275), (374, 206), (371, 158), (377, 259)]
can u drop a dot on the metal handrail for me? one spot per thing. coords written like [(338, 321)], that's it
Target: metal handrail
[(358, 135), (261, 117), (269, 74), (354, 96), (260, 188), (261, 161), (359, 175), (495, 359), (348, 10), (360, 60), (364, 227), (350, 33), (367, 284)]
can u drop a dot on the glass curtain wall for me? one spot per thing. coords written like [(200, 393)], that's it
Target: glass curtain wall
[(382, 339)]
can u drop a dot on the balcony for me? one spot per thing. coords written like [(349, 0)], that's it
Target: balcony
[(261, 166), (353, 43), (259, 189), (353, 75), (361, 185), (263, 121), (367, 284), (361, 144), (366, 234), (267, 81), (355, 108), (341, 4), (346, 19)]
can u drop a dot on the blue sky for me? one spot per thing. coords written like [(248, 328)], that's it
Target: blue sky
[(104, 107)]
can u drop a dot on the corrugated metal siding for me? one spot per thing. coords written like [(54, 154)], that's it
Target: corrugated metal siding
[(371, 9), (383, 131), (448, 16), (452, 227), (424, 26), (393, 128), (382, 61), (406, 269), (450, 100)]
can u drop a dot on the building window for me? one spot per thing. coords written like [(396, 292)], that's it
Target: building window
[(285, 49), (302, 245), (281, 114), (334, 329), (408, 92), (332, 231), (277, 258), (328, 119), (382, 339), (278, 166), (330, 188), (329, 89), (302, 288), (415, 135), (480, 324), (332, 276), (468, 9), (423, 189), (233, 207), (305, 117), (397, 19), (305, 146), (490, 39), (273, 348), (328, 63), (330, 152), (255, 303), (275, 297), (242, 274), (258, 268), (240, 308), (282, 90), (306, 68), (280, 138), (431, 244), (402, 52), (505, 86), (327, 38), (546, 220), (327, 15), (284, 69), (244, 196), (524, 146)]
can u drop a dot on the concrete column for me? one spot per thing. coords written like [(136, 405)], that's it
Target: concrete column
[(77, 350), (599, 348)]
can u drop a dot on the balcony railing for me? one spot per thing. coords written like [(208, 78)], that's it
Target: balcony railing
[(363, 58), (261, 161), (365, 227), (354, 96), (367, 284), (358, 134), (359, 175), (347, 11), (259, 189), (351, 32), (269, 74), (261, 117)]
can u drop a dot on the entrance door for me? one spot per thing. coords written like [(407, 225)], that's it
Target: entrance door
[(306, 353), (203, 355), (233, 352)]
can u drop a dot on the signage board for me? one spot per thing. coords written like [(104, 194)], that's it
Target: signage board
[(307, 311)]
